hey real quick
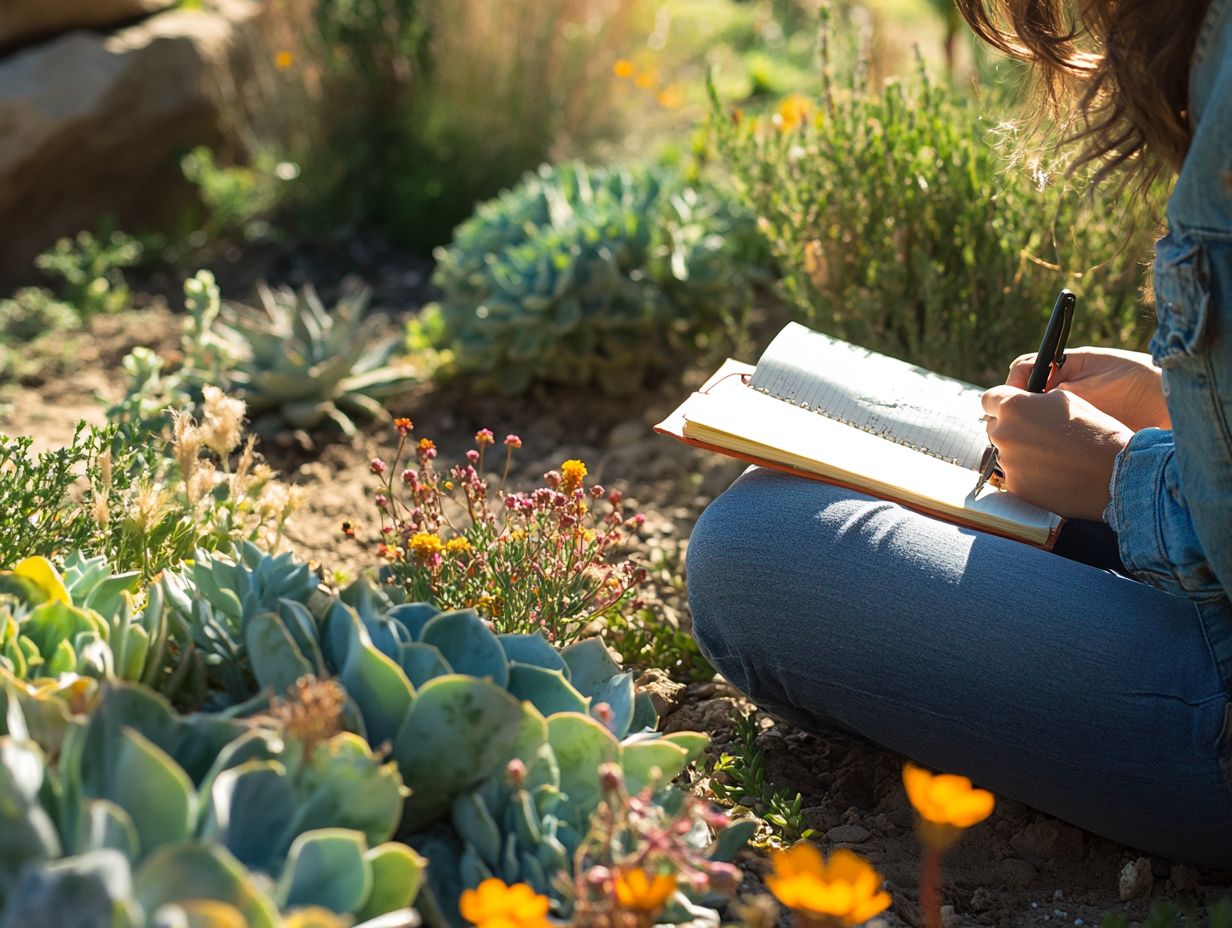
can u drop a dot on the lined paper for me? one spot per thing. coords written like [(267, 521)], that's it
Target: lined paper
[(732, 417), (894, 400)]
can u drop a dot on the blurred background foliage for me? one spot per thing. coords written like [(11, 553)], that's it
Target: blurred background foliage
[(881, 158)]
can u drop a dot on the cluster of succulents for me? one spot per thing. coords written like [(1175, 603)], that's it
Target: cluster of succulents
[(481, 752), (590, 276), (134, 816), (85, 622), (454, 703)]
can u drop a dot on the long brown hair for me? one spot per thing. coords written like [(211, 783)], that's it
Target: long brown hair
[(1125, 62)]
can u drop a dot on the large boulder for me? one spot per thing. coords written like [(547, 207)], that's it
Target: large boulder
[(92, 127), (28, 20)]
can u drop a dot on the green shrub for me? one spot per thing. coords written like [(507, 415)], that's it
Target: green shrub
[(33, 326), (591, 276), (37, 512), (237, 198), (900, 223), (91, 270), (144, 506)]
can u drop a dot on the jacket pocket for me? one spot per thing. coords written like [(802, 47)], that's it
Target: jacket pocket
[(1182, 301)]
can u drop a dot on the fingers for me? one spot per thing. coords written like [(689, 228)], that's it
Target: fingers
[(993, 399), (1020, 370)]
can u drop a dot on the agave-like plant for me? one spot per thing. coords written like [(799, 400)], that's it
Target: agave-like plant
[(302, 365)]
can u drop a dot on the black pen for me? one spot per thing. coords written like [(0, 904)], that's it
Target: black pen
[(1051, 356)]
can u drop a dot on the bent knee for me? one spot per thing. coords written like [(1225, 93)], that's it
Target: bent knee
[(755, 547)]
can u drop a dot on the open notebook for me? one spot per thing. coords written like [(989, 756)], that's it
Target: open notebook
[(826, 409)]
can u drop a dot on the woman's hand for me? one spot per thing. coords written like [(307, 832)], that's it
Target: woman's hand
[(1123, 384), (1056, 449)]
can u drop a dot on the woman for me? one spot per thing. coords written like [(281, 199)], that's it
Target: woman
[(1096, 691)]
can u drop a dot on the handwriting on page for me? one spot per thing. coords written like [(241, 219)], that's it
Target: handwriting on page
[(897, 401)]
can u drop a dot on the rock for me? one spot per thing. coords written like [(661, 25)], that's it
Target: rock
[(1184, 878), (712, 715), (950, 918), (664, 692), (26, 20), (848, 834), (93, 126), (1047, 840), (1016, 873), (1136, 879)]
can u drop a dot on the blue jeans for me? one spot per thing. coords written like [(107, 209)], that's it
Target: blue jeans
[(1090, 696)]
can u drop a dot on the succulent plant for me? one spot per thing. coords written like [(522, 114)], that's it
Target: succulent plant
[(589, 276), (84, 623), (243, 622), (451, 701), (146, 808), (301, 365)]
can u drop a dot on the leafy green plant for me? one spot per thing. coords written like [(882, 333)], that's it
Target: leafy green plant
[(151, 391), (36, 335), (591, 276), (238, 198), (739, 779), (643, 638), (550, 559), (143, 507), (900, 223), (33, 313), (91, 270), (38, 514)]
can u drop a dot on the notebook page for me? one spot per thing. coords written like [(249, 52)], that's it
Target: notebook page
[(734, 417), (889, 398)]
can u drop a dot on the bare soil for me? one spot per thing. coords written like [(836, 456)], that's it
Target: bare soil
[(1019, 868)]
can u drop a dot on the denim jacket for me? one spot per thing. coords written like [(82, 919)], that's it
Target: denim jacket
[(1172, 490)]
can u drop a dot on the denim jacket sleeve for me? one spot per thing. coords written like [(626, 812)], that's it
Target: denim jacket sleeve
[(1172, 490)]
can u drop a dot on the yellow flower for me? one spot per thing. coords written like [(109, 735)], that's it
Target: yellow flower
[(844, 890), (496, 905), (671, 98), (646, 80), (458, 546), (638, 891), (425, 545), (571, 474), (792, 111), (946, 803), (623, 67), (283, 60)]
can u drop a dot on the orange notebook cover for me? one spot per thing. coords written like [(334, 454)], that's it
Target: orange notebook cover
[(883, 440)]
